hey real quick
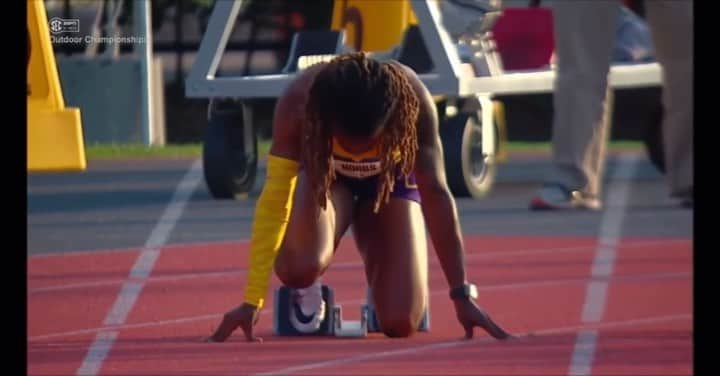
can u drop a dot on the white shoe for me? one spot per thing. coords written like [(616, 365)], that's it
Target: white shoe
[(307, 310)]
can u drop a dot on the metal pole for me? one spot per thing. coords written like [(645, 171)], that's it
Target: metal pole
[(179, 39), (143, 31), (67, 14)]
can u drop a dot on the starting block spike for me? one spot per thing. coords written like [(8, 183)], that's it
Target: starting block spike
[(337, 318)]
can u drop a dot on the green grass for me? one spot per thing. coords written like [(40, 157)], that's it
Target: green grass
[(120, 151), (518, 146), (263, 147)]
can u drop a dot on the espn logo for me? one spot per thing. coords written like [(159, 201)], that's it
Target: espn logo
[(60, 25)]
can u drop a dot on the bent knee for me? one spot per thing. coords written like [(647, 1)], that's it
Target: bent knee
[(297, 272), (398, 326), (297, 275)]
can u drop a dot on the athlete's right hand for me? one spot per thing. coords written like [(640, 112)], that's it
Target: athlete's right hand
[(245, 316)]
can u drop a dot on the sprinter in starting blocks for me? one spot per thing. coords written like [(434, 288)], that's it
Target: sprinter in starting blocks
[(366, 135)]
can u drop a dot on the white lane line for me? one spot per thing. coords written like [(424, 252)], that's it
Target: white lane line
[(637, 245), (125, 301), (167, 247), (113, 282), (594, 306), (462, 342), (505, 286), (603, 264), (97, 353), (144, 263), (583, 353), (123, 304)]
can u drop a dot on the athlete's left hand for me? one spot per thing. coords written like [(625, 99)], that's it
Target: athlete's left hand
[(470, 315)]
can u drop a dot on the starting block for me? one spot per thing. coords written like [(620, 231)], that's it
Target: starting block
[(333, 324), (353, 329), (282, 309)]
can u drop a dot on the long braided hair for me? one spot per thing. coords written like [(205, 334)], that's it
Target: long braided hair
[(363, 98)]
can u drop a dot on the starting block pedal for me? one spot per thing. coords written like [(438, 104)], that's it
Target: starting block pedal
[(353, 329), (282, 310), (374, 324), (332, 325)]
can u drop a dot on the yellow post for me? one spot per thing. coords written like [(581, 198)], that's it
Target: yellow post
[(372, 25), (54, 132)]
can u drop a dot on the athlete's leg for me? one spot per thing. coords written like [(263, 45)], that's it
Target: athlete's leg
[(394, 247), (305, 253), (312, 234)]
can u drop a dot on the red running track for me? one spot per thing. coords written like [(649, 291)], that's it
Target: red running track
[(531, 285)]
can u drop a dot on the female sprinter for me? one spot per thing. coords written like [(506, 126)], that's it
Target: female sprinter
[(355, 142)]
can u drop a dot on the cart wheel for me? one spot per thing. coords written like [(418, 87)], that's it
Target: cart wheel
[(229, 163), (654, 140), (469, 172)]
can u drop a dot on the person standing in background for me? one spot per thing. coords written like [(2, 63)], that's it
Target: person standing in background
[(584, 39)]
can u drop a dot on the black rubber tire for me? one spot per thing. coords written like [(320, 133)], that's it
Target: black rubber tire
[(654, 140), (462, 138), (229, 169)]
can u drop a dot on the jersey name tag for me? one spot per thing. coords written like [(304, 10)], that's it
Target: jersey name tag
[(356, 170)]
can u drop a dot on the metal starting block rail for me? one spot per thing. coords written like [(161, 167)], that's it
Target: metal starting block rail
[(448, 77), (286, 323), (471, 122)]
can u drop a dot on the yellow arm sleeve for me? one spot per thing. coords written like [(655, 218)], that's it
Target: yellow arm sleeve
[(271, 217)]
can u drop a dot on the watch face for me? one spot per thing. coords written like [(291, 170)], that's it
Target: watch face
[(473, 293)]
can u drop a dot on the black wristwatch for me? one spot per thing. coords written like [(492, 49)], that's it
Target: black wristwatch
[(467, 290)]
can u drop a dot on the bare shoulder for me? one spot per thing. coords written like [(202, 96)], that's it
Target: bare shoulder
[(295, 95), (289, 114), (303, 80), (420, 88)]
